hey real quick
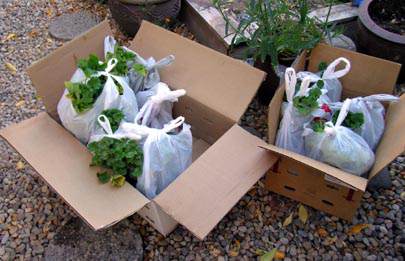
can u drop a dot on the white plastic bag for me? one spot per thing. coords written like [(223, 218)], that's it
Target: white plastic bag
[(167, 154), (289, 135), (83, 124), (330, 78), (374, 116), (140, 82), (339, 146), (157, 111)]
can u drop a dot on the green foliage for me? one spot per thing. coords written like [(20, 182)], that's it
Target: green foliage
[(122, 157), (140, 69), (104, 177), (353, 120), (91, 65), (274, 28), (318, 124), (306, 104), (122, 56), (83, 95), (114, 116)]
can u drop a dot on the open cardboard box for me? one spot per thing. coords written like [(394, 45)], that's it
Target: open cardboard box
[(227, 159), (318, 184)]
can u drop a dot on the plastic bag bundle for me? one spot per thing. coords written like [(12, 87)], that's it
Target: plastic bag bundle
[(289, 135), (83, 124), (330, 78), (157, 111), (374, 116), (167, 153), (339, 146), (147, 75)]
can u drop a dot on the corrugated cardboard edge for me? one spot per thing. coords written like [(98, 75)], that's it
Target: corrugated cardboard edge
[(350, 179), (202, 195)]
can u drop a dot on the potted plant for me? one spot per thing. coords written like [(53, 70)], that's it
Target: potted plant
[(382, 30), (275, 33)]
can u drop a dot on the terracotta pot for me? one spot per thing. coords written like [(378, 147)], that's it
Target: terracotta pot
[(376, 41)]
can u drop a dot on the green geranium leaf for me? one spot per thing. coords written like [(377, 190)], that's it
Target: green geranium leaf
[(103, 177)]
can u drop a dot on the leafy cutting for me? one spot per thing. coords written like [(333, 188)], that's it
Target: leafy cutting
[(91, 65), (83, 95), (114, 116), (122, 56), (140, 69), (122, 157), (353, 120), (318, 124), (306, 104)]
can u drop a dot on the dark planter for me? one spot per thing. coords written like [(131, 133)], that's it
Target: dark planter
[(376, 41), (130, 16), (270, 84)]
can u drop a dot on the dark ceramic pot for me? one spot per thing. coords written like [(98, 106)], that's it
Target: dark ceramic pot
[(376, 41)]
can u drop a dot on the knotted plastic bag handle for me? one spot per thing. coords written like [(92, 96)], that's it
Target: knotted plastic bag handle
[(290, 79), (341, 117), (330, 72), (105, 124)]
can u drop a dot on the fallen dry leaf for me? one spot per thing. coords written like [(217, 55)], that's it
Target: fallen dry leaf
[(235, 249), (279, 255), (268, 256), (288, 220), (49, 12), (34, 33), (11, 36), (322, 232), (20, 165), (358, 228), (20, 103), (302, 214), (11, 68), (214, 251)]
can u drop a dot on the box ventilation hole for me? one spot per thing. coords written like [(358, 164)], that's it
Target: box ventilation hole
[(292, 173), (289, 188), (332, 187), (327, 202)]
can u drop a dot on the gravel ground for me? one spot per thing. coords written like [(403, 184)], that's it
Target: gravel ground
[(31, 215)]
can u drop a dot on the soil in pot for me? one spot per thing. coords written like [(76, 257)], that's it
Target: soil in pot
[(272, 81), (389, 14)]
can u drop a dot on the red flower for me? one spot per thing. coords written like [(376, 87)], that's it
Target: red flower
[(326, 108)]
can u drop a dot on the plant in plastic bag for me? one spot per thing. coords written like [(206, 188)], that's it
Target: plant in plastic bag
[(289, 135), (329, 78), (79, 109), (114, 116), (157, 110), (373, 113), (167, 153), (119, 154), (339, 146)]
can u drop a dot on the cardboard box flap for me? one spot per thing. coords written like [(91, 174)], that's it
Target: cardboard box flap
[(351, 180), (63, 162), (393, 141), (224, 84), (202, 195), (378, 81), (49, 74)]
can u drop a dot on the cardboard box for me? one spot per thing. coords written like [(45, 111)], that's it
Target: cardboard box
[(227, 159), (318, 184)]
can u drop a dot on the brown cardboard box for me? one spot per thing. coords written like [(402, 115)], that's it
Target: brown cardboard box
[(318, 184), (227, 159)]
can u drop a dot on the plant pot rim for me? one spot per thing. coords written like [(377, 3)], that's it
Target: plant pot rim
[(366, 20)]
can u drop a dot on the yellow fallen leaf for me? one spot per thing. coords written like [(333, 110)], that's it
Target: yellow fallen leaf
[(20, 165), (11, 68), (11, 36), (302, 214), (279, 255), (33, 33), (322, 232), (288, 220), (235, 249), (268, 256), (49, 12), (358, 228), (214, 251), (20, 103)]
